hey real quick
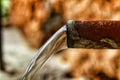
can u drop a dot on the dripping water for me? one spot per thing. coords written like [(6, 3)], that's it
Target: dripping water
[(54, 44)]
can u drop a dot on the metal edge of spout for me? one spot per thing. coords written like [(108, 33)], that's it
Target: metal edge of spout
[(70, 23), (69, 28), (72, 33)]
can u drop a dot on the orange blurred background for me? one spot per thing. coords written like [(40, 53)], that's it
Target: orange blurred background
[(27, 24)]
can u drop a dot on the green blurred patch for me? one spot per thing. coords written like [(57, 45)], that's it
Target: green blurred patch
[(5, 7)]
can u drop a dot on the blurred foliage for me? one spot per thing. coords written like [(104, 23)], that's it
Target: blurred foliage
[(5, 7)]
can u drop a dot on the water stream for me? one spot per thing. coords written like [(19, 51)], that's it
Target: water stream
[(55, 43)]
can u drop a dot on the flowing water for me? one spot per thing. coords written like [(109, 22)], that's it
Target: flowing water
[(55, 43)]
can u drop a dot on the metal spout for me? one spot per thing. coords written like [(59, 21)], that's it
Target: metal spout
[(93, 34)]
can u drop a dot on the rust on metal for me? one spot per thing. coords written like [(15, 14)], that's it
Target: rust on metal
[(102, 32)]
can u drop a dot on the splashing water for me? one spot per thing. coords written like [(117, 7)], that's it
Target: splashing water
[(55, 43)]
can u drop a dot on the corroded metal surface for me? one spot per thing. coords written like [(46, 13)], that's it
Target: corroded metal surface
[(93, 34)]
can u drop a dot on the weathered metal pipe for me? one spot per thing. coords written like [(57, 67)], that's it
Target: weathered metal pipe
[(93, 34)]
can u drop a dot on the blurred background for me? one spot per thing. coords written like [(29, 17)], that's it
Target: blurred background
[(27, 24)]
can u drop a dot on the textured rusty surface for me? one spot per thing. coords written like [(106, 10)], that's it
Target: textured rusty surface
[(94, 34), (95, 30)]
